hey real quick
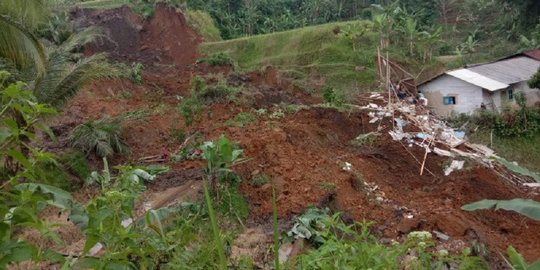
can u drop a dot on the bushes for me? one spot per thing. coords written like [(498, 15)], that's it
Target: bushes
[(203, 94), (217, 59), (524, 122), (101, 137), (340, 246)]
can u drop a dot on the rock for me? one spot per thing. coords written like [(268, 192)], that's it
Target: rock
[(408, 225)]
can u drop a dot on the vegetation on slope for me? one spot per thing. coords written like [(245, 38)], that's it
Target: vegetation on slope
[(303, 53)]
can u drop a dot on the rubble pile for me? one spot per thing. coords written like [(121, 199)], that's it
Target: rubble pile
[(415, 126)]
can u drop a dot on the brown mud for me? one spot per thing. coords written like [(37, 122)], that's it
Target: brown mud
[(303, 152)]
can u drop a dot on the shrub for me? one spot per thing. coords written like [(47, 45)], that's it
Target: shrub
[(217, 59), (136, 73), (75, 162), (102, 137), (330, 96), (191, 110), (340, 246)]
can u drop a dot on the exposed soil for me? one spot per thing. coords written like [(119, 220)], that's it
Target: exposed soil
[(302, 152)]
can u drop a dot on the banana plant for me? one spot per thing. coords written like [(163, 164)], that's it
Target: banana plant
[(220, 156)]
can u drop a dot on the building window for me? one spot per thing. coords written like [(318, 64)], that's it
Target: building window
[(449, 100), (510, 94)]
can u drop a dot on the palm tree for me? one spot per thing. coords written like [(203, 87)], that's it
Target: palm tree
[(67, 72), (18, 44), (56, 72)]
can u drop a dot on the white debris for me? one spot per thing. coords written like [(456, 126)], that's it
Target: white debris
[(373, 106), (374, 120), (456, 165), (532, 185), (443, 153), (347, 167)]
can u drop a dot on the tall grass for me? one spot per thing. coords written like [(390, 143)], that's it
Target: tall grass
[(215, 229), (276, 229), (308, 51), (524, 151)]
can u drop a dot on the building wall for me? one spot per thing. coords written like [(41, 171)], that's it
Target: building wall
[(468, 96)]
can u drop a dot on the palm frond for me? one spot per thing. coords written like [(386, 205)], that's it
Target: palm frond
[(20, 46), (66, 74), (102, 137), (82, 38), (28, 13), (64, 79)]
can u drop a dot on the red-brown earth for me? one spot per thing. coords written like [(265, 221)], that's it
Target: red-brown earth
[(302, 152)]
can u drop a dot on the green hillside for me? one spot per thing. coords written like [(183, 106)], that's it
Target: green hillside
[(310, 52)]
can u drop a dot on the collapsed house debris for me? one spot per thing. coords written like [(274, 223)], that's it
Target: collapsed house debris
[(415, 126)]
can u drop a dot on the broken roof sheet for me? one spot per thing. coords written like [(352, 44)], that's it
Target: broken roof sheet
[(477, 79), (508, 71)]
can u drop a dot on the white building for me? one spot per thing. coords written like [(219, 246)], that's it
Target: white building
[(493, 84)]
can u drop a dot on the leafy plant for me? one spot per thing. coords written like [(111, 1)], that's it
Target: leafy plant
[(220, 156), (517, 262), (341, 246), (21, 198), (136, 73), (534, 82), (102, 137), (526, 207)]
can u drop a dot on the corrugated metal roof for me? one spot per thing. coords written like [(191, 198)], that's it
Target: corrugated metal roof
[(477, 79), (509, 71)]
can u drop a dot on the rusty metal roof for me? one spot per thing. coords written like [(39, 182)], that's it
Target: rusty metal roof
[(534, 54)]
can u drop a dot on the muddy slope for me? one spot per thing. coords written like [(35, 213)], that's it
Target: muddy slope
[(303, 151), (165, 39)]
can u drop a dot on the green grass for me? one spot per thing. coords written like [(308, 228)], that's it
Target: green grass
[(203, 24), (305, 52), (103, 4), (525, 151)]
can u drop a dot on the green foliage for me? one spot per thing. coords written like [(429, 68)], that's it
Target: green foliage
[(307, 52), (215, 229), (241, 119), (203, 24), (517, 262), (217, 59), (21, 199), (330, 96), (136, 73), (239, 18), (52, 173), (527, 207), (220, 156), (275, 228), (191, 110), (534, 82), (75, 162), (203, 94), (343, 246), (101, 137), (518, 169)]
